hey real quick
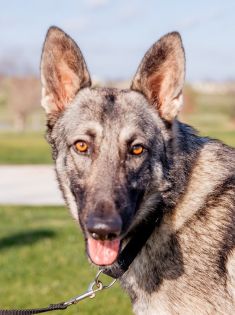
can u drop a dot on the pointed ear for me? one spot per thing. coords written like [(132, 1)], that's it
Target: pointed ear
[(63, 70), (160, 76)]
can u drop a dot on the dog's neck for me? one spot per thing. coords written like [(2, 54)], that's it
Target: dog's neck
[(182, 151)]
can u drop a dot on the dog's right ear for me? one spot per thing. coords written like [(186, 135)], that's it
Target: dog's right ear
[(160, 76), (63, 70)]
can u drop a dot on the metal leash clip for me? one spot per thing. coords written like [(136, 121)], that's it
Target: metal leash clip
[(93, 288)]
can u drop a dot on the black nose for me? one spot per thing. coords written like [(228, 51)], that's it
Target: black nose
[(104, 228)]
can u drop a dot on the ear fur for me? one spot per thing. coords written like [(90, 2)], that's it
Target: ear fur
[(63, 70), (160, 76)]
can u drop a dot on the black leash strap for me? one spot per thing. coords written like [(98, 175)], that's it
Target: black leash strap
[(51, 307)]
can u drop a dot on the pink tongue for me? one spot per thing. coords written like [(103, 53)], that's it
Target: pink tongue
[(103, 252)]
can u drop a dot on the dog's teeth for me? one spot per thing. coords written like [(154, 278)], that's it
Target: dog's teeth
[(95, 236)]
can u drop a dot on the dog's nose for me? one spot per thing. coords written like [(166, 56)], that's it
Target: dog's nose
[(104, 228)]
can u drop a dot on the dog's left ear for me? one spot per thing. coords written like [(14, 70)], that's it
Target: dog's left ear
[(63, 70), (160, 76)]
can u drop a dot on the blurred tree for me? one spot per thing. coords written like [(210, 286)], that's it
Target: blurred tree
[(189, 99), (23, 98), (233, 108), (3, 97)]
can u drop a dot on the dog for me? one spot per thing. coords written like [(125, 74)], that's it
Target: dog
[(137, 178)]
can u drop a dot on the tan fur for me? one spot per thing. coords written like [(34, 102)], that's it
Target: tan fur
[(203, 180)]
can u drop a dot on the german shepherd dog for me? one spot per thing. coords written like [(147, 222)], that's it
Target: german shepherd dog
[(123, 158)]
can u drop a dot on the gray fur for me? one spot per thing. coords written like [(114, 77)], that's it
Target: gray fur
[(187, 265)]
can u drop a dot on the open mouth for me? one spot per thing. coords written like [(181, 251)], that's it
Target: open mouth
[(103, 252), (106, 233)]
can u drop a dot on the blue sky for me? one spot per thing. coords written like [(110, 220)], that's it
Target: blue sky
[(114, 34)]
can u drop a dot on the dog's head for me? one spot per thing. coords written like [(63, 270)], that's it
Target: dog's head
[(109, 145)]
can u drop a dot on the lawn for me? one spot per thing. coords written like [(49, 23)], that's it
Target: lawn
[(213, 116), (43, 261), (24, 148)]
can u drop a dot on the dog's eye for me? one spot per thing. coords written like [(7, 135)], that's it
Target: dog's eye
[(81, 146), (137, 149)]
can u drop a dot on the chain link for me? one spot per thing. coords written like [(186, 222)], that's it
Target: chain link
[(93, 288)]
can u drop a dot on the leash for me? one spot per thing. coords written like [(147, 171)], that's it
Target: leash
[(94, 287), (116, 271)]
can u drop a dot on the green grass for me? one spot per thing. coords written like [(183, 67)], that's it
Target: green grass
[(24, 148), (213, 116), (43, 261)]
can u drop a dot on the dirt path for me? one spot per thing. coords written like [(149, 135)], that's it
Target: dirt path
[(29, 185)]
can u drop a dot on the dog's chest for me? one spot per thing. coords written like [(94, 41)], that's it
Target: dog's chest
[(144, 303), (167, 300), (162, 280)]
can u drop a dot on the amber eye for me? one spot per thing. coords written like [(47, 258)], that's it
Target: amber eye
[(137, 149), (81, 146)]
